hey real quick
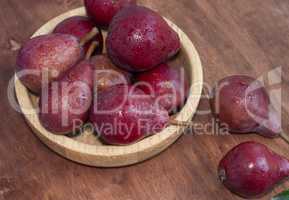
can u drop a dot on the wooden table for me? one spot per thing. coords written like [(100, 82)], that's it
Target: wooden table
[(232, 36)]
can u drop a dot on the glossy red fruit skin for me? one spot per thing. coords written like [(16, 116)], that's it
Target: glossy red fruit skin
[(244, 109), (106, 74), (58, 102), (133, 116), (251, 170), (79, 26), (168, 84), (53, 52), (139, 39), (102, 11)]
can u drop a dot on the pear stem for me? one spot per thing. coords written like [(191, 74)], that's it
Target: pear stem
[(285, 137), (91, 49), (89, 36), (179, 123)]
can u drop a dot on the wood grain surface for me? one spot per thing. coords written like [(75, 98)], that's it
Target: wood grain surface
[(232, 36)]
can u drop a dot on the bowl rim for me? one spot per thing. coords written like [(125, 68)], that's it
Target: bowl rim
[(152, 145)]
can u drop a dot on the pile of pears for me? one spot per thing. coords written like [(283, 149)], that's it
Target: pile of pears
[(78, 83)]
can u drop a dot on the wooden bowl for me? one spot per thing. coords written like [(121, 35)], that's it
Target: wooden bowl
[(86, 148)]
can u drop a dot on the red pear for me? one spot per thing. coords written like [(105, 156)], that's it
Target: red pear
[(251, 169), (79, 26), (107, 74), (169, 86), (64, 104), (139, 39), (102, 11), (51, 54), (243, 103), (123, 115)]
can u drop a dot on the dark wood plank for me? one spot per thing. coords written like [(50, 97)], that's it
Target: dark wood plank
[(248, 37)]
